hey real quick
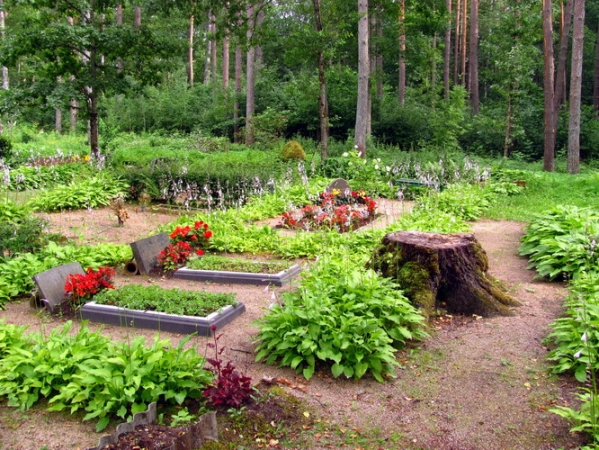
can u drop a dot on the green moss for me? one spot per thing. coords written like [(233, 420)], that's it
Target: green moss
[(292, 150)]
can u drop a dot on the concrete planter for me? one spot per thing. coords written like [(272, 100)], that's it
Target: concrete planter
[(114, 315), (277, 279)]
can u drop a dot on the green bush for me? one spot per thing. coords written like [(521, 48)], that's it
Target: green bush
[(348, 318), (89, 372), (562, 242), (292, 150), (5, 147), (28, 235), (91, 193)]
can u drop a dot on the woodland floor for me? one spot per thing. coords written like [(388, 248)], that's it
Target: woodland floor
[(475, 384)]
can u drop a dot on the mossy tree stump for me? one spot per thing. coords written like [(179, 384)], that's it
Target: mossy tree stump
[(442, 269)]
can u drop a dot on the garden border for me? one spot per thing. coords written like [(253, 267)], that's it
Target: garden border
[(218, 276), (174, 323)]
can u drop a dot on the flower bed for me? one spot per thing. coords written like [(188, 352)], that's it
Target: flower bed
[(333, 211), (220, 269), (185, 312)]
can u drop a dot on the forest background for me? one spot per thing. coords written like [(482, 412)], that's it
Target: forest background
[(495, 79)]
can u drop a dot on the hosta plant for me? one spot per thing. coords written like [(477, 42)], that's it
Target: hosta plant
[(347, 318), (562, 242), (89, 372)]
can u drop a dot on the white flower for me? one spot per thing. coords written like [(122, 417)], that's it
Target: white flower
[(345, 154), (584, 337), (577, 354)]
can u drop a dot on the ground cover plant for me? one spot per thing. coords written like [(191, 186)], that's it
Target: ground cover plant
[(170, 301), (95, 374)]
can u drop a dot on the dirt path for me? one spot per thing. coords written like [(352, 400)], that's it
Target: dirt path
[(475, 384)]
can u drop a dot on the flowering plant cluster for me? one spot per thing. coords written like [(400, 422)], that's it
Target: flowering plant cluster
[(83, 286), (185, 241), (333, 211)]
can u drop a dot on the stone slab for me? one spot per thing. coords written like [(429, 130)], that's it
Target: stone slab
[(339, 184), (50, 283), (145, 251)]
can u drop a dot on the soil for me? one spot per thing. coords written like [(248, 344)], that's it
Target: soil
[(475, 383)]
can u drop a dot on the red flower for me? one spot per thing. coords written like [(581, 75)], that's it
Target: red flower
[(199, 252), (208, 234)]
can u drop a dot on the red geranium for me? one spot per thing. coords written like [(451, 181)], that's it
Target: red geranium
[(83, 286)]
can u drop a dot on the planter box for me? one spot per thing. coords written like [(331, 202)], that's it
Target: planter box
[(114, 315), (195, 435), (216, 276)]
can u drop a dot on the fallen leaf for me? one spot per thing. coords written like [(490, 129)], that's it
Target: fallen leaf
[(306, 414)]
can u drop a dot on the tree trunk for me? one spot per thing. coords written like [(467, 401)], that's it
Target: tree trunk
[(549, 88), (464, 34), (137, 19), (560, 78), (596, 77), (226, 62), (507, 142), (473, 60), (447, 52), (119, 22), (363, 79), (250, 80), (323, 107), (190, 69), (213, 52), (236, 118), (208, 54), (576, 88), (5, 81), (401, 87), (442, 271)]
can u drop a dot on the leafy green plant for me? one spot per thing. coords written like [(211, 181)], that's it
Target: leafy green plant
[(26, 235), (11, 213), (106, 379), (562, 242), (182, 418), (348, 317), (571, 353), (223, 263), (170, 301), (576, 342), (463, 201), (91, 193)]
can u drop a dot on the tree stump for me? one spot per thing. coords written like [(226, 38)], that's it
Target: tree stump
[(446, 270)]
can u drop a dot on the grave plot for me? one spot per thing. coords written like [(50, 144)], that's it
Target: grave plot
[(337, 208)]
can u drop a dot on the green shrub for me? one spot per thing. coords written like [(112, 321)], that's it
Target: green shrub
[(348, 318), (28, 235), (562, 242), (292, 150), (5, 147), (91, 193), (89, 372)]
